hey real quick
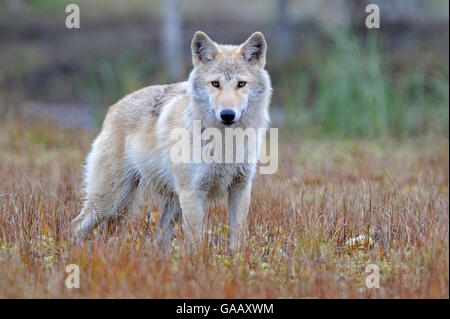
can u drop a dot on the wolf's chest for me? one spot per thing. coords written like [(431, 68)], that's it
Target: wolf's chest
[(215, 179)]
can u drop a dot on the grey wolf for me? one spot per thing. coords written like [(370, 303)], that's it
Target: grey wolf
[(227, 87)]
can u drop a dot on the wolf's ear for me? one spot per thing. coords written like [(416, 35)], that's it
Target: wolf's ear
[(254, 49), (203, 48)]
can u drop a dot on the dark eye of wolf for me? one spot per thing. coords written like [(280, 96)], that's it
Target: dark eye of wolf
[(215, 84), (241, 84)]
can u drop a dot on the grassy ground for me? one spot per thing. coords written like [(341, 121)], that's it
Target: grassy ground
[(301, 220)]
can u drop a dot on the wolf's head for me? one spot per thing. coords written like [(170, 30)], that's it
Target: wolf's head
[(229, 82)]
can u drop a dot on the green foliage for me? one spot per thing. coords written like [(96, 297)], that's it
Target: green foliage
[(45, 6), (354, 94)]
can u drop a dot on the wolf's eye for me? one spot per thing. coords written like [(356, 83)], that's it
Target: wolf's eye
[(215, 84), (241, 84)]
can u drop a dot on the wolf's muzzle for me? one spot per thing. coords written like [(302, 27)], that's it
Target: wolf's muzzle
[(227, 116)]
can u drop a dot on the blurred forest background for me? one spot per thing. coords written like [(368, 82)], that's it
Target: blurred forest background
[(332, 76)]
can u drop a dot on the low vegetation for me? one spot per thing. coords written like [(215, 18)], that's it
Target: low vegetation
[(333, 208)]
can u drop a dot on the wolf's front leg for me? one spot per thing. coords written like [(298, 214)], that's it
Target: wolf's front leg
[(238, 205), (192, 207)]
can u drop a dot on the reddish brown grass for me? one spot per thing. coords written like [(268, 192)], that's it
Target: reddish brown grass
[(324, 193)]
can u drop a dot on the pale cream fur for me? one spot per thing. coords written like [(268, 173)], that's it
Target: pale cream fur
[(132, 150)]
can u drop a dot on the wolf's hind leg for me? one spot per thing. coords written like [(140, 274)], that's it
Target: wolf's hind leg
[(112, 207), (108, 193), (166, 226), (99, 207), (84, 224)]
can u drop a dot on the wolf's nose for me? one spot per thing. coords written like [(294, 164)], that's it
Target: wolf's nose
[(227, 115)]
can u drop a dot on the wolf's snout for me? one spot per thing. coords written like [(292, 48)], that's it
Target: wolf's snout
[(227, 116)]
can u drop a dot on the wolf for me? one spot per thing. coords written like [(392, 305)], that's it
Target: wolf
[(227, 87)]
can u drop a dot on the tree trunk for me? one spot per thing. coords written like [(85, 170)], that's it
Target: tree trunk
[(171, 40), (283, 30)]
